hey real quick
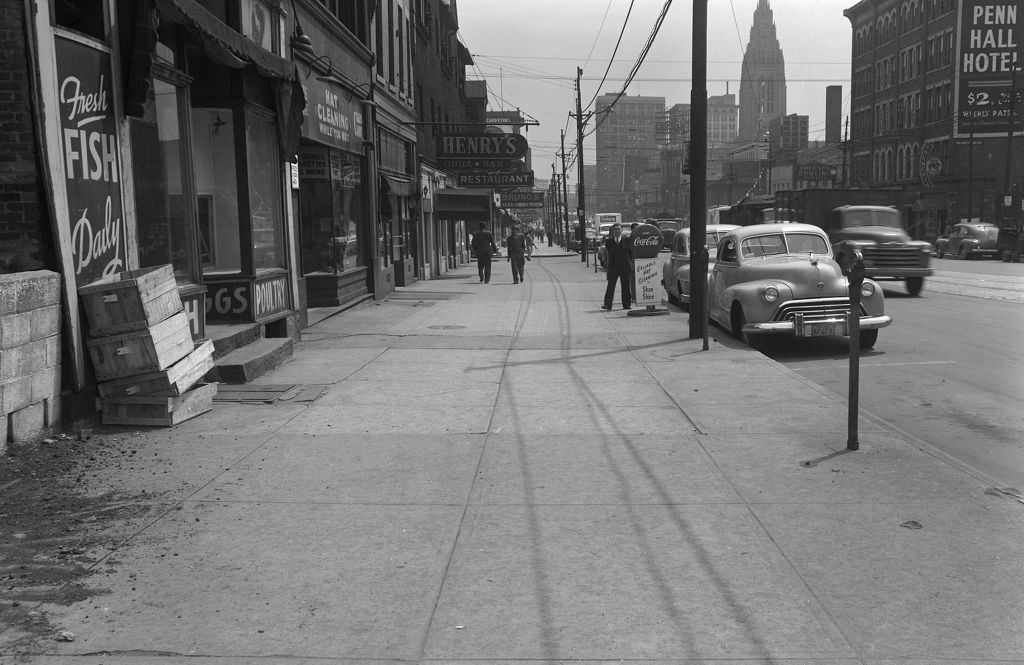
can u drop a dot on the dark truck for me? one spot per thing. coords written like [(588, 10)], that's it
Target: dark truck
[(872, 219)]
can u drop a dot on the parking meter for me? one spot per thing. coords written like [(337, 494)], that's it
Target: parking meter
[(851, 262)]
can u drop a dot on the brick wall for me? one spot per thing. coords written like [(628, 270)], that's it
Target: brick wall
[(25, 236), (30, 379)]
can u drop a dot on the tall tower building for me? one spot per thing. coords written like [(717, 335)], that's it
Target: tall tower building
[(763, 78)]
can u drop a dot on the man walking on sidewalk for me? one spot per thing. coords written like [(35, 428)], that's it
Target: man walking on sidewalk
[(516, 246), (483, 245), (619, 257)]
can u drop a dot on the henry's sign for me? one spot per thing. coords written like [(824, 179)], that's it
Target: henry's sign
[(492, 146)]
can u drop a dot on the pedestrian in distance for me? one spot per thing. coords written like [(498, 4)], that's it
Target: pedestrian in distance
[(483, 245), (516, 244), (619, 257)]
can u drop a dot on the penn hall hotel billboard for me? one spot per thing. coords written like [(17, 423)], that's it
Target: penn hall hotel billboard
[(990, 82)]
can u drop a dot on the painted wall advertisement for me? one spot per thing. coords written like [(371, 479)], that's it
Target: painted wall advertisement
[(90, 145), (990, 81)]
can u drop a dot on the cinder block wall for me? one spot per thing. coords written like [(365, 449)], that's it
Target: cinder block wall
[(30, 353)]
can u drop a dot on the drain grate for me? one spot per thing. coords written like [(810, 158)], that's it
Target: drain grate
[(269, 393)]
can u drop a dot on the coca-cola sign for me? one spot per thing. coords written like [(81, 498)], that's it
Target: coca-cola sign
[(646, 240)]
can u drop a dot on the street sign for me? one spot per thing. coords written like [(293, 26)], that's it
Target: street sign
[(510, 180)]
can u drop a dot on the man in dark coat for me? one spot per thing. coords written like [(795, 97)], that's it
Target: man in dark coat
[(619, 259), (483, 245), (517, 252)]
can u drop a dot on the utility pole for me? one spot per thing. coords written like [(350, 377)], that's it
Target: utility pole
[(565, 194), (552, 193), (581, 207), (699, 175)]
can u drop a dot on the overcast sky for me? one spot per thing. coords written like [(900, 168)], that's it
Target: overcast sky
[(528, 51)]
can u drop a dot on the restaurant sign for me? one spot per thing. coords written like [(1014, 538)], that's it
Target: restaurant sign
[(522, 199), (510, 180), (487, 146), (90, 150), (506, 165)]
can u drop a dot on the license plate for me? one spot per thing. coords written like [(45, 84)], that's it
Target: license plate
[(830, 328)]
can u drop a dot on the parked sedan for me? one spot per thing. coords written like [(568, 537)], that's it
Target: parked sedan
[(782, 279), (675, 273), (969, 240)]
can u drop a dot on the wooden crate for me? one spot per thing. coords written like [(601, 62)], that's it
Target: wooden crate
[(159, 411), (152, 350), (133, 300), (173, 381)]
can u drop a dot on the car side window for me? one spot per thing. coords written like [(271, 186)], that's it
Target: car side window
[(727, 251), (681, 245)]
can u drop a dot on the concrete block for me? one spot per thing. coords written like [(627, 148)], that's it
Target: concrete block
[(28, 423), (15, 394), (34, 357), (52, 349), (45, 383), (10, 363), (15, 329), (40, 289), (26, 291), (44, 322)]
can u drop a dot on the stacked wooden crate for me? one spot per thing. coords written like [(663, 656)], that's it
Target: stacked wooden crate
[(146, 362)]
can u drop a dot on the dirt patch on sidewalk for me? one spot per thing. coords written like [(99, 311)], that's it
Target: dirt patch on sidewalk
[(54, 535)]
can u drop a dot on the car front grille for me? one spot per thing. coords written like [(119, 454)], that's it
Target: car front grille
[(898, 256), (815, 310)]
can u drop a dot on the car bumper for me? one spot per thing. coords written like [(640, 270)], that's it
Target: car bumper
[(896, 273), (800, 328)]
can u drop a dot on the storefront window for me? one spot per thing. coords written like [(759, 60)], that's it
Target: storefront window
[(213, 148), (161, 203), (332, 210), (265, 169)]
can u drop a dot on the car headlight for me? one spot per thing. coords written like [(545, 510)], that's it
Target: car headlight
[(770, 294), (867, 289)]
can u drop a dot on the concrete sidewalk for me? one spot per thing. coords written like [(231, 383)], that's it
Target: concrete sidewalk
[(499, 473)]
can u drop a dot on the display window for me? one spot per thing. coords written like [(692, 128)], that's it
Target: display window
[(162, 179), (333, 210), (265, 195), (213, 149)]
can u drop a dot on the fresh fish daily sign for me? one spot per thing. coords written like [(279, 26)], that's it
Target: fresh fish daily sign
[(990, 57)]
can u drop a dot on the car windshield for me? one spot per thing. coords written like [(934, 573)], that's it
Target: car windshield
[(872, 217), (668, 226), (778, 243)]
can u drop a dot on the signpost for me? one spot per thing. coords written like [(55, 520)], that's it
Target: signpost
[(646, 240)]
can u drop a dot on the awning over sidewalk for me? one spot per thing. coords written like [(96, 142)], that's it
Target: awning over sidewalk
[(222, 45), (474, 205)]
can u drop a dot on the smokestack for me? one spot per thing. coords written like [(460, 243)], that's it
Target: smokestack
[(833, 113)]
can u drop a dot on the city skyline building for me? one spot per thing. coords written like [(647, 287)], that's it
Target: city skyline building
[(763, 76)]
